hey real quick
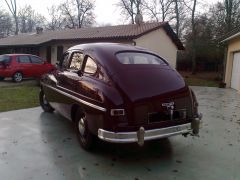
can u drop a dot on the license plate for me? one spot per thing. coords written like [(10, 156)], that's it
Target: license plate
[(168, 115)]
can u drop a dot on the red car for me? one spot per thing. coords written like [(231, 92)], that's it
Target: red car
[(19, 66)]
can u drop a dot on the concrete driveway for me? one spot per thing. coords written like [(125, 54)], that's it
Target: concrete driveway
[(37, 145)]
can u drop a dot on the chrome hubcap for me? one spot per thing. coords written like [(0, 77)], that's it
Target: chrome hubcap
[(18, 77), (81, 126)]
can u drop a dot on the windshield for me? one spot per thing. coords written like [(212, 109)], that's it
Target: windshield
[(4, 59), (139, 58)]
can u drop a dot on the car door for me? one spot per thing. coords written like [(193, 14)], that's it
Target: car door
[(25, 65), (89, 83), (68, 78), (37, 66)]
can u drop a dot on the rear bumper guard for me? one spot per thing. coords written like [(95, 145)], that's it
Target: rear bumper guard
[(144, 135)]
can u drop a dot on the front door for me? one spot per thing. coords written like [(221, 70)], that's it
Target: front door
[(25, 66), (59, 52), (68, 81)]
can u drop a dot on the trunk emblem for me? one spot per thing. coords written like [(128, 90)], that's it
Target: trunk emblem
[(169, 105), (170, 108)]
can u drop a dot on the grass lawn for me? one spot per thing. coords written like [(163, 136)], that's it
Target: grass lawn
[(18, 97), (201, 78), (201, 82)]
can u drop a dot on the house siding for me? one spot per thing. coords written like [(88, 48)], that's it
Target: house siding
[(233, 46), (159, 42)]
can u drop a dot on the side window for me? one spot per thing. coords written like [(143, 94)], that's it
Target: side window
[(76, 61), (90, 67), (23, 59), (36, 60), (64, 62), (5, 59)]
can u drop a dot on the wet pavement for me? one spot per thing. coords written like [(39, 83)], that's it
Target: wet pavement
[(37, 145)]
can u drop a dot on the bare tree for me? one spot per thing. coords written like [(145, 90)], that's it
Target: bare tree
[(5, 24), (191, 5), (130, 8), (12, 6), (67, 11), (77, 13), (56, 21), (232, 10), (159, 9), (152, 9), (177, 16), (29, 19), (84, 7), (165, 6)]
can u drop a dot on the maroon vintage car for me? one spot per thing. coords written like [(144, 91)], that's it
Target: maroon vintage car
[(120, 94)]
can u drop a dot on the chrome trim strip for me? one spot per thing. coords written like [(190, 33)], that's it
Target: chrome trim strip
[(130, 137), (77, 99)]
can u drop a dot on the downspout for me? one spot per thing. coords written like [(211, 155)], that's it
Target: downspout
[(225, 62)]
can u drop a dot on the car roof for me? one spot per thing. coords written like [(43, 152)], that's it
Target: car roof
[(110, 47), (105, 53)]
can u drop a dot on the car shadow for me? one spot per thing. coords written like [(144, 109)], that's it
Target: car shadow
[(152, 150), (59, 137)]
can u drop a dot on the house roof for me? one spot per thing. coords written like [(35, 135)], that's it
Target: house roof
[(231, 35), (120, 32)]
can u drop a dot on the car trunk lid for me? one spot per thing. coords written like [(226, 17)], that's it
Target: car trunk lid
[(149, 90)]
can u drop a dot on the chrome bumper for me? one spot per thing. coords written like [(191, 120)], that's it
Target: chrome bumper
[(143, 135)]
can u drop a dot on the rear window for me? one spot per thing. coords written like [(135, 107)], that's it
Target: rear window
[(139, 58), (5, 59)]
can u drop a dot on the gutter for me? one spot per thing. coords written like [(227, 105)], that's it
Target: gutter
[(231, 37)]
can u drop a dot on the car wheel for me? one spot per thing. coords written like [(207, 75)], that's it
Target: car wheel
[(85, 137), (17, 77), (2, 78), (44, 102)]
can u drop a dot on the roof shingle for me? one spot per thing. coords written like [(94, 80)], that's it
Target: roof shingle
[(93, 33)]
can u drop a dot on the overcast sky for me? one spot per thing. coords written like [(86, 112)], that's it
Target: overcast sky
[(105, 10)]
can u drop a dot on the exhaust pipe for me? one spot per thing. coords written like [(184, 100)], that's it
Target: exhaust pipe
[(196, 124)]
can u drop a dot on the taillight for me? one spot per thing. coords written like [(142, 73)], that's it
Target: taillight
[(117, 112)]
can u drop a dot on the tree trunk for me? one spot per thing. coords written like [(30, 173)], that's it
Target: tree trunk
[(177, 17), (16, 24), (229, 10), (194, 38)]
